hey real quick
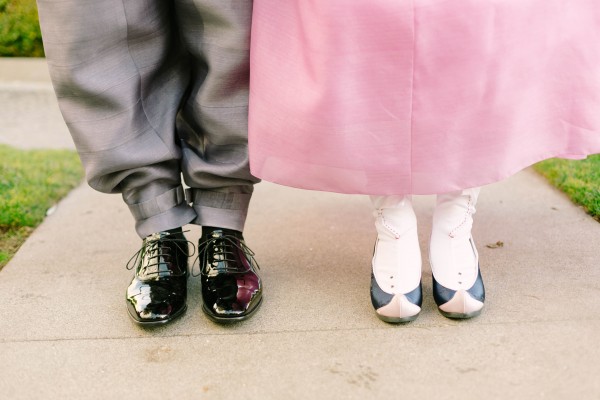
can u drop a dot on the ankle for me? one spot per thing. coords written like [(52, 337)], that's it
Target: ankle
[(453, 214), (207, 230), (394, 215)]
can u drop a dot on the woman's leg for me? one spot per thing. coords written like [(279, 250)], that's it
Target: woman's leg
[(457, 285), (396, 277)]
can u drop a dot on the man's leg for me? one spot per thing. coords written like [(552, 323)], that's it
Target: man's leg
[(213, 125), (120, 74)]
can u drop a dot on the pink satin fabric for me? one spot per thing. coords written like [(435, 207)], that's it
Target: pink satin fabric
[(423, 96)]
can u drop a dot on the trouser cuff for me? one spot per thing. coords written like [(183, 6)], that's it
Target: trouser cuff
[(166, 211), (220, 209)]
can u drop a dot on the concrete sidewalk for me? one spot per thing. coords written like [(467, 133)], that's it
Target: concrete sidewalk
[(65, 333), (29, 114)]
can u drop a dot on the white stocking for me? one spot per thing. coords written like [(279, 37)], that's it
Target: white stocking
[(454, 258), (397, 258)]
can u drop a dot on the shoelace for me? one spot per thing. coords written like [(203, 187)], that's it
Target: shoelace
[(153, 250), (220, 260)]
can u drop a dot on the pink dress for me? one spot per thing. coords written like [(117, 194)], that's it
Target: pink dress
[(420, 96)]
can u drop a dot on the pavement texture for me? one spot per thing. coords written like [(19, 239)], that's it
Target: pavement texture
[(29, 114), (65, 333)]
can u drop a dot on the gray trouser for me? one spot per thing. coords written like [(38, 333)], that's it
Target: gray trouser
[(152, 90)]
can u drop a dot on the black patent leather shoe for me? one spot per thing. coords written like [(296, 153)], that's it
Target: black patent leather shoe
[(231, 287), (460, 304), (158, 291), (396, 308)]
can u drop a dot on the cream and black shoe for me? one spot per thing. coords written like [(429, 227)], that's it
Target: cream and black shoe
[(457, 284), (396, 267)]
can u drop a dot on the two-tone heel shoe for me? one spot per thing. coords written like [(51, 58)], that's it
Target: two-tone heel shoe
[(462, 303), (396, 308), (458, 287), (396, 292)]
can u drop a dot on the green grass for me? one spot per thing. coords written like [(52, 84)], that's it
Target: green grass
[(31, 181), (579, 179), (20, 34)]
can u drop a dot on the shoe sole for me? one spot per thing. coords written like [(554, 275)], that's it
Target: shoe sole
[(230, 320), (452, 315), (397, 320), (151, 324)]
